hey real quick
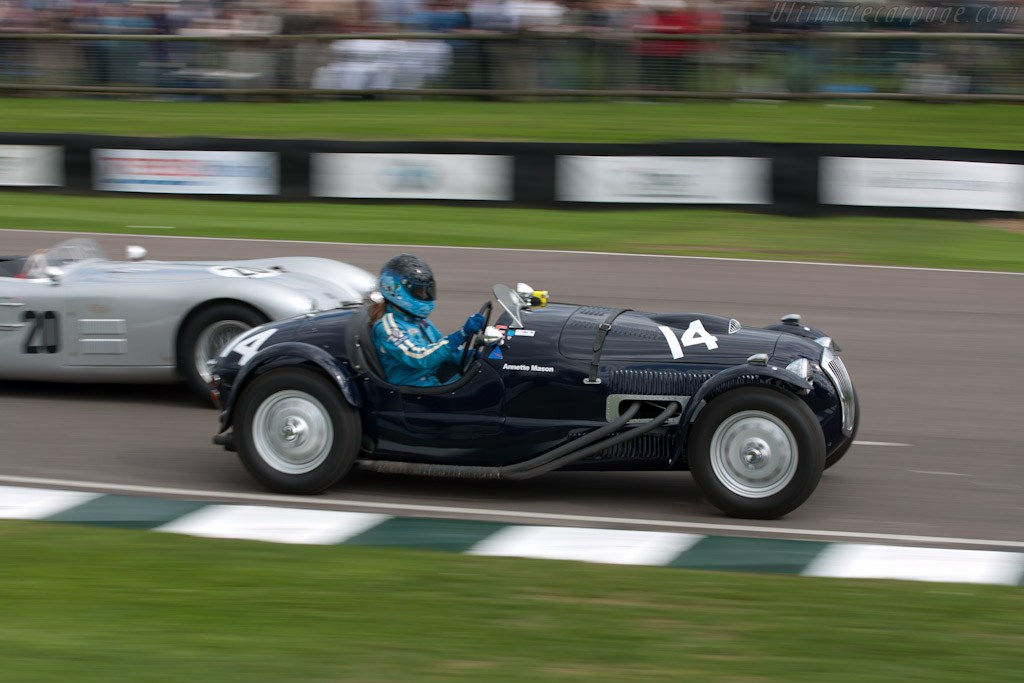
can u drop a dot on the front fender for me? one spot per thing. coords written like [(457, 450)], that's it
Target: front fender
[(801, 330), (731, 378), (284, 355)]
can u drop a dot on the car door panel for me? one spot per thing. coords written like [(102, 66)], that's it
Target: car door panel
[(111, 326), (11, 325), (468, 412)]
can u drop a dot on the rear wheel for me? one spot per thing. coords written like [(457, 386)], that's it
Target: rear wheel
[(205, 334), (756, 452), (295, 433)]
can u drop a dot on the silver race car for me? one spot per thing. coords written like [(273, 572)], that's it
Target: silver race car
[(68, 314)]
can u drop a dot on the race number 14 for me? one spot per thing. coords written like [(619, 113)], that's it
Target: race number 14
[(695, 334), (248, 344)]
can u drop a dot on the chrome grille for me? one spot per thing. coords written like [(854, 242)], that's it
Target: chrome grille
[(836, 371)]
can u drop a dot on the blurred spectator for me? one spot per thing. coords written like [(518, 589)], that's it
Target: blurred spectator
[(297, 61), (556, 63), (124, 59), (383, 65), (592, 46), (663, 62), (94, 57), (17, 61), (450, 16), (611, 22), (252, 64), (396, 14), (373, 64), (440, 16), (495, 59), (713, 60)]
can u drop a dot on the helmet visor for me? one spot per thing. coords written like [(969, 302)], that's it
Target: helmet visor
[(423, 292)]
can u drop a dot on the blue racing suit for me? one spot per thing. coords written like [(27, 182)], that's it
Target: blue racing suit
[(411, 349)]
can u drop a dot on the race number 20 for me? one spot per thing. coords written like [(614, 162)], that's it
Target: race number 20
[(43, 332)]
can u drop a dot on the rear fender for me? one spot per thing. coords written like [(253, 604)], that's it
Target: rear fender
[(290, 354), (732, 378)]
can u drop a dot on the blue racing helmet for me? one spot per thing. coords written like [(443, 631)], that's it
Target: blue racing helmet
[(408, 283)]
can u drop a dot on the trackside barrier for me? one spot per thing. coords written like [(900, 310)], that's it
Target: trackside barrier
[(786, 178)]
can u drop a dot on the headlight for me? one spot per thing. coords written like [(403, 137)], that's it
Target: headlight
[(827, 343), (801, 367)]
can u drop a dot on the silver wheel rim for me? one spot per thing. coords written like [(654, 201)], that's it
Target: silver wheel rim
[(211, 342), (292, 432), (754, 454)]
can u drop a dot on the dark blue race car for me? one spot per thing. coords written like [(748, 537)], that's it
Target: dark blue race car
[(755, 414)]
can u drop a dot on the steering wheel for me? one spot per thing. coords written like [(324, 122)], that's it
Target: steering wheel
[(469, 350)]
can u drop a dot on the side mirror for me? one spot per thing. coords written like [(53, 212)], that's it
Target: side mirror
[(135, 252), (492, 335), (54, 273)]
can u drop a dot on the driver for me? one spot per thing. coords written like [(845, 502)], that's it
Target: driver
[(410, 347)]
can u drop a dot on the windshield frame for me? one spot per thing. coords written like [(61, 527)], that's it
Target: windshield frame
[(63, 256), (513, 304)]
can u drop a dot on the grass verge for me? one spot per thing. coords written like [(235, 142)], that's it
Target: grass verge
[(896, 123), (876, 240), (88, 604)]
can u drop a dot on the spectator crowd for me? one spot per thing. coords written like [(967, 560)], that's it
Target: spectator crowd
[(488, 44)]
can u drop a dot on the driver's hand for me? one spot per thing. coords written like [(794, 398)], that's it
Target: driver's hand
[(473, 324)]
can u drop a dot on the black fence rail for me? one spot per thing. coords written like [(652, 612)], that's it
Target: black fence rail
[(530, 65)]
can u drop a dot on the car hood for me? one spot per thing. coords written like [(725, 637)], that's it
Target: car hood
[(635, 336), (315, 277), (678, 337)]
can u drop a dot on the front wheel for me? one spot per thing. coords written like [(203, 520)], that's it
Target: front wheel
[(203, 337), (295, 433), (756, 452)]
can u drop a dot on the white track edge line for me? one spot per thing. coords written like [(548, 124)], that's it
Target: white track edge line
[(704, 526), (518, 249)]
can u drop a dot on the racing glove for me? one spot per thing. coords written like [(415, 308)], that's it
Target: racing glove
[(473, 324)]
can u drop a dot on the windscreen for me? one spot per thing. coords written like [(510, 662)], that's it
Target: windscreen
[(72, 251), (512, 303)]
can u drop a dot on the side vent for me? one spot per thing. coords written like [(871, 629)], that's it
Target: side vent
[(650, 407), (657, 382), (647, 451)]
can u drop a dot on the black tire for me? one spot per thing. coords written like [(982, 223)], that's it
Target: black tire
[(773, 427), (202, 331), (325, 431), (838, 453)]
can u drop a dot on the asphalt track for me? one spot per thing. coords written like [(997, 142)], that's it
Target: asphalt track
[(935, 357)]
